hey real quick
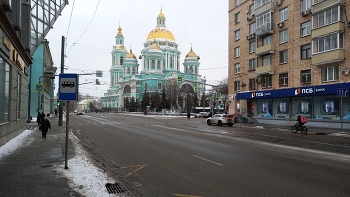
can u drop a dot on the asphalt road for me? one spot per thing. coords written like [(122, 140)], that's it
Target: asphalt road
[(154, 156)]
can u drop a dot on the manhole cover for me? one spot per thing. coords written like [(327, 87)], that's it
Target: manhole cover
[(114, 188)]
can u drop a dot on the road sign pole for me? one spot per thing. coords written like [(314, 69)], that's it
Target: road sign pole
[(67, 133), (60, 108), (341, 114)]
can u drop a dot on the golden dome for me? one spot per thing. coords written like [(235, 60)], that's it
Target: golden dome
[(161, 14), (154, 46), (130, 55), (191, 54), (160, 32), (119, 31)]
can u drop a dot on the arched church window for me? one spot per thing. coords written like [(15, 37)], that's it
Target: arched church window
[(171, 62), (186, 69), (127, 89), (158, 65), (153, 65), (128, 71), (197, 70), (121, 60), (133, 70), (121, 42)]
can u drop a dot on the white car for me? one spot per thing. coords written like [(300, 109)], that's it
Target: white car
[(80, 112), (200, 115), (220, 119)]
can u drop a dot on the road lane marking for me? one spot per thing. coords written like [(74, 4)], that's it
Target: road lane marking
[(204, 159), (143, 138), (185, 195), (132, 172)]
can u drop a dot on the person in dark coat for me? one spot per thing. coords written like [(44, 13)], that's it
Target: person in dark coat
[(55, 112), (188, 115), (42, 116), (38, 118), (45, 126)]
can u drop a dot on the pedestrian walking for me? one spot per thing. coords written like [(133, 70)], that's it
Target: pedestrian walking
[(45, 126), (55, 112), (188, 115), (38, 118)]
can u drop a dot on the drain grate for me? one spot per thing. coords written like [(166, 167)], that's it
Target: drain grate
[(114, 188)]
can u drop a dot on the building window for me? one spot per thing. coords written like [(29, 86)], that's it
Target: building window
[(146, 85), (326, 17), (237, 86), (266, 40), (305, 5), (266, 60), (159, 86), (330, 73), (133, 70), (251, 10), (328, 43), (18, 104), (237, 2), (237, 17), (252, 28), (284, 57), (284, 36), (237, 68), (237, 52), (128, 71), (121, 60), (252, 47), (260, 3), (153, 65), (263, 21), (158, 64), (284, 14), (4, 91), (171, 62), (284, 79), (266, 81), (305, 76), (252, 84), (306, 51), (252, 64), (237, 35), (305, 28)]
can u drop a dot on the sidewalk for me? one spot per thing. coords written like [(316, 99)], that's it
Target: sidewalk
[(28, 170)]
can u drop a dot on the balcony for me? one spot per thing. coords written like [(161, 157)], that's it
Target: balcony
[(269, 69), (324, 5), (328, 57), (268, 6), (267, 49), (264, 30), (339, 26)]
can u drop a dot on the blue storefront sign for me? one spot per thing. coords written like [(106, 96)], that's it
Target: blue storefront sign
[(330, 89)]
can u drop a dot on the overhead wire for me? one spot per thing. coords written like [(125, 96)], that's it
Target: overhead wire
[(70, 19)]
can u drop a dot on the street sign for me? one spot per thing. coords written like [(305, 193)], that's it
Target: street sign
[(68, 87), (180, 79), (342, 92), (39, 87), (218, 94), (211, 98)]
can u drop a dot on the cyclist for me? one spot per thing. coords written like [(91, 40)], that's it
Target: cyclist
[(299, 121)]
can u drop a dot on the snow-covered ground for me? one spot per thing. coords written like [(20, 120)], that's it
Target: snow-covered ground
[(83, 177)]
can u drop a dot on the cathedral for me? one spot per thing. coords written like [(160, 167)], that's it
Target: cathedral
[(157, 68)]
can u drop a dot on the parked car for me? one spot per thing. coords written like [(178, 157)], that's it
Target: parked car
[(220, 119), (80, 112), (200, 115)]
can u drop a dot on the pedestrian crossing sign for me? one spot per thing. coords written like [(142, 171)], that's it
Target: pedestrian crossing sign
[(39, 87), (218, 94), (211, 98), (179, 78)]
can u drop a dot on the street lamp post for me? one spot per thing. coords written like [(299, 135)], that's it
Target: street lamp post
[(204, 94)]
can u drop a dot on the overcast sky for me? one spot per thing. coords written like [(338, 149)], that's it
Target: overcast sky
[(92, 25)]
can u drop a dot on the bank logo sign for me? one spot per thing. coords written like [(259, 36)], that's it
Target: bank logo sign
[(304, 91), (261, 94)]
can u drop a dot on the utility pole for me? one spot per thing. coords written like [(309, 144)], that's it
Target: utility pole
[(60, 107)]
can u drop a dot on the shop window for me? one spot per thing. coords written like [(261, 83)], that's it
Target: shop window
[(282, 108), (330, 73), (305, 51), (4, 91), (305, 76), (283, 79)]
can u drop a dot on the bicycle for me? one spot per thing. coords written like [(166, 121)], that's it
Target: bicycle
[(297, 127)]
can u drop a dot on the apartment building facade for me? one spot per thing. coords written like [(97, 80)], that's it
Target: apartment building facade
[(288, 58)]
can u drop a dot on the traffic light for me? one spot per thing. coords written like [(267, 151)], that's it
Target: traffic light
[(58, 103), (219, 104)]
